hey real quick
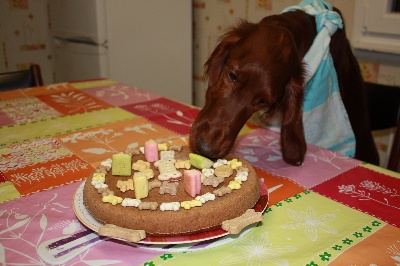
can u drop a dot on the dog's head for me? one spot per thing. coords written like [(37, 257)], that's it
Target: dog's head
[(254, 67)]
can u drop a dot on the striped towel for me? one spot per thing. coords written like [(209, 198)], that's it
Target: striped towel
[(325, 119)]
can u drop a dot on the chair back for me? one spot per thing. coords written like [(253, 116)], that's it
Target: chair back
[(384, 113), (31, 77)]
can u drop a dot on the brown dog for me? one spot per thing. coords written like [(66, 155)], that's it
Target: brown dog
[(259, 66)]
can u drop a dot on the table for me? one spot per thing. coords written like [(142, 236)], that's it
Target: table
[(331, 210)]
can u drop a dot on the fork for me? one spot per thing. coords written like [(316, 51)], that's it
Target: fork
[(63, 249)]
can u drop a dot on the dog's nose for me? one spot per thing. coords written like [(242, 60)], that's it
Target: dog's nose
[(204, 148)]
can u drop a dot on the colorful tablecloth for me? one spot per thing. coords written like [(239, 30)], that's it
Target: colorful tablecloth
[(331, 210)]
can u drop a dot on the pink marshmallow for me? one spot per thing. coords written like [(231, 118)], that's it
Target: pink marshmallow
[(151, 151), (192, 182)]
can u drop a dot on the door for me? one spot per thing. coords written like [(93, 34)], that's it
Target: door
[(150, 45)]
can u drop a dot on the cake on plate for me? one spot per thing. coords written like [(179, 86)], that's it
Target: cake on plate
[(167, 190)]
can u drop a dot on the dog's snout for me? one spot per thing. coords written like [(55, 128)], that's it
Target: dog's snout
[(204, 148)]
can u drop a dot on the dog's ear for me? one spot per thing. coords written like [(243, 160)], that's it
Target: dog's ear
[(293, 142), (214, 64)]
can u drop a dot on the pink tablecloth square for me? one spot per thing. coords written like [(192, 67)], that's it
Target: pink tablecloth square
[(120, 94), (262, 148), (50, 216), (179, 122), (156, 107), (366, 190)]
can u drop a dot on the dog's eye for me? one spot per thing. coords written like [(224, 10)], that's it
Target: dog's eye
[(232, 76)]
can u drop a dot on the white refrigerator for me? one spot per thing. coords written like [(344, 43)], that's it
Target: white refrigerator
[(147, 44)]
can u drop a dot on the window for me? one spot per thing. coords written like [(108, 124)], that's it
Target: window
[(377, 25)]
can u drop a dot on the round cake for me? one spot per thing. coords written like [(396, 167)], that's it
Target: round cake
[(208, 216)]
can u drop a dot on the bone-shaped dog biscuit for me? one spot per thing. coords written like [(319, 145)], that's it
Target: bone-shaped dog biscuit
[(234, 226), (114, 231)]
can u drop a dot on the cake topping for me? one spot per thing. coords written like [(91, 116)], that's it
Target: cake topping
[(222, 191), (121, 164), (151, 151), (114, 200), (220, 162), (128, 202), (125, 185), (176, 147), (140, 165), (223, 171), (191, 204), (192, 182), (213, 180), (235, 184), (169, 187), (107, 164), (199, 161), (234, 163), (141, 185), (207, 172), (180, 164), (170, 206), (154, 184), (148, 206), (206, 197), (167, 170), (105, 191), (162, 146), (242, 174), (165, 155)]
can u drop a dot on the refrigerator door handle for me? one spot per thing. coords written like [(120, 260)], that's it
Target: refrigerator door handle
[(82, 40), (104, 44)]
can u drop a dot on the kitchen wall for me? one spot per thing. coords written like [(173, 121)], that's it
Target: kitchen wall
[(24, 36)]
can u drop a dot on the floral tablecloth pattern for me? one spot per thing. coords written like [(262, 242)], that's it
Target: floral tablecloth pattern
[(331, 210)]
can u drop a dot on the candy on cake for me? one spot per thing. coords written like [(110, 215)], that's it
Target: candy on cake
[(141, 185), (192, 182), (199, 161), (121, 164), (151, 151)]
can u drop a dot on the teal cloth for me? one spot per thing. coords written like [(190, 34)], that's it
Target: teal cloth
[(325, 119)]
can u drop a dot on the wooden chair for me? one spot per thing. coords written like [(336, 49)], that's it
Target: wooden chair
[(31, 77), (384, 113)]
